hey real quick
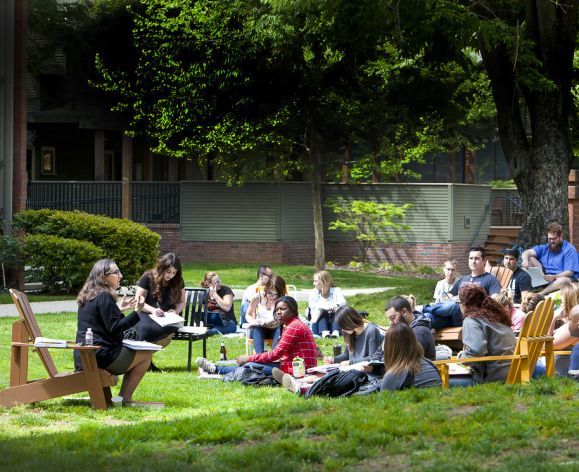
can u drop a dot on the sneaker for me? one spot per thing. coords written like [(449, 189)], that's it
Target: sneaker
[(289, 382), (335, 334), (207, 366), (325, 334), (278, 374)]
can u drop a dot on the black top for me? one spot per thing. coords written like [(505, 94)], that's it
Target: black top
[(108, 323), (520, 282), (213, 306), (165, 303)]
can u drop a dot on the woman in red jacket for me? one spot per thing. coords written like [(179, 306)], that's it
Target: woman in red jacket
[(296, 341)]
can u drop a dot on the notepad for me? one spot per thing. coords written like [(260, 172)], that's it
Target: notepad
[(141, 345), (169, 319), (537, 276), (49, 342)]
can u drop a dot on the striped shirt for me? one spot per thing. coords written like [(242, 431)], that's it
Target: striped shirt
[(296, 341)]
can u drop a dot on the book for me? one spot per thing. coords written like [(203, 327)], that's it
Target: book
[(323, 369), (141, 345), (169, 319), (537, 277), (49, 342)]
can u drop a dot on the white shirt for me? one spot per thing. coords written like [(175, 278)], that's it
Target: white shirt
[(317, 303), (250, 293)]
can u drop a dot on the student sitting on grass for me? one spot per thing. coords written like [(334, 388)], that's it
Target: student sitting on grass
[(486, 331), (323, 302), (404, 361), (296, 341), (362, 337)]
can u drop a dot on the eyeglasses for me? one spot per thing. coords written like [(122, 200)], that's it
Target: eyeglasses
[(271, 294), (113, 272)]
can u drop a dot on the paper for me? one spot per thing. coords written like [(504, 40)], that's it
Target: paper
[(458, 369), (323, 369), (537, 277), (49, 342), (170, 319), (141, 345)]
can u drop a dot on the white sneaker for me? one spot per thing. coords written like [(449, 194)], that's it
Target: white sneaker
[(289, 382), (325, 334), (207, 366), (335, 334)]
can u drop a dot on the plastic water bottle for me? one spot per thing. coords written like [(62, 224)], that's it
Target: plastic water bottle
[(88, 337)]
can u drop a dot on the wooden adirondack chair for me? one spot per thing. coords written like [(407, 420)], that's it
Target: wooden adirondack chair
[(91, 379), (503, 274), (532, 341)]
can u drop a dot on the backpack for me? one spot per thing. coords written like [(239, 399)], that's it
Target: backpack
[(338, 384)]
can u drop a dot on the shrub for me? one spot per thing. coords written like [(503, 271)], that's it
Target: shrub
[(134, 247), (64, 263)]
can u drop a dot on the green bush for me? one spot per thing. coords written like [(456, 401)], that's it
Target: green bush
[(63, 263), (134, 247)]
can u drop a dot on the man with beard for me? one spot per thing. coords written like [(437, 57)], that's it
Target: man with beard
[(557, 259)]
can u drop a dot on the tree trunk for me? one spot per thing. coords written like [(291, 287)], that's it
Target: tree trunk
[(316, 156), (539, 157)]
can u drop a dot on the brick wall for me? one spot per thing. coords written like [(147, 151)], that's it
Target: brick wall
[(299, 252)]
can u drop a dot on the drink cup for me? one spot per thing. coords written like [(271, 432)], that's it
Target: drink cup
[(117, 401)]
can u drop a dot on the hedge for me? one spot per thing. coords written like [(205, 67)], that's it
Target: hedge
[(63, 263), (134, 247)]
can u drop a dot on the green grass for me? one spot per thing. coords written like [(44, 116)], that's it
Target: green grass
[(208, 425)]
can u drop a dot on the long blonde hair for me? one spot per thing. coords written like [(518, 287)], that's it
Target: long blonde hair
[(326, 279), (96, 282), (570, 297)]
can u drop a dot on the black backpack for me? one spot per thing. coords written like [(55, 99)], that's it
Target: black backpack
[(338, 384)]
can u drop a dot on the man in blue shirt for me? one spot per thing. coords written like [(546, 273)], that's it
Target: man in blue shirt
[(557, 259)]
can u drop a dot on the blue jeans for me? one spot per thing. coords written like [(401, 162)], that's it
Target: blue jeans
[(229, 327), (325, 322), (267, 368), (259, 334), (574, 358), (243, 311), (443, 315), (461, 381)]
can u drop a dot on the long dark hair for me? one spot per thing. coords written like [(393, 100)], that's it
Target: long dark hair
[(478, 304), (350, 319), (176, 284)]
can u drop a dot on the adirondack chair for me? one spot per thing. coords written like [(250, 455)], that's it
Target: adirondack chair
[(503, 274), (532, 341), (91, 379)]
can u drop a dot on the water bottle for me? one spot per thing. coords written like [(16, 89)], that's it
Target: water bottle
[(223, 353), (337, 350), (88, 337)]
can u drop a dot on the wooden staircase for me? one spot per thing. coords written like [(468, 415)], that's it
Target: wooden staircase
[(499, 239)]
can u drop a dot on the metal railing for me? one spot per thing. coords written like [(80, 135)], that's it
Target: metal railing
[(506, 208), (152, 202), (100, 198), (156, 202)]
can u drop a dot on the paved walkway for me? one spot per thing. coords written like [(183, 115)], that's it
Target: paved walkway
[(9, 310)]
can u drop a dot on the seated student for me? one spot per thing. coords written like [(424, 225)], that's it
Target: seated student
[(296, 341), (557, 259), (448, 314), (98, 310), (264, 273), (486, 331), (520, 283), (566, 338), (362, 337), (260, 316), (399, 310), (444, 286), (517, 316), (164, 290), (324, 299), (405, 363), (560, 325), (221, 317), (530, 302)]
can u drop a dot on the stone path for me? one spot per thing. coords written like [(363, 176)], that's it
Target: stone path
[(9, 310)]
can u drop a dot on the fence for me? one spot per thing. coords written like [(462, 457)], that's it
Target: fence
[(506, 208), (152, 202)]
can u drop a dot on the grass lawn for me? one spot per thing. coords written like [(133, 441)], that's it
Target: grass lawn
[(210, 425)]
